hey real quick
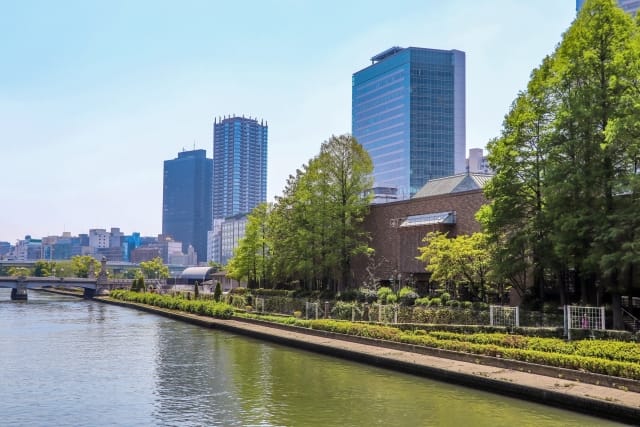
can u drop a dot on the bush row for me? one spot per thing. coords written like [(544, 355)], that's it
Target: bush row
[(202, 307), (611, 350), (613, 358)]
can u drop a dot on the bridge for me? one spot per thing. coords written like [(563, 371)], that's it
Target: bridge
[(91, 287), (99, 285)]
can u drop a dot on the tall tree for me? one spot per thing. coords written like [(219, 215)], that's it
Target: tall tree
[(596, 81), (315, 227), (346, 168), (515, 219), (251, 257), (586, 95)]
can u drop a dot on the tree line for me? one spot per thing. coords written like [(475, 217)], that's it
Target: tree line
[(563, 211), (310, 234)]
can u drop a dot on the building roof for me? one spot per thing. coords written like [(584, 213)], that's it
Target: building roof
[(196, 272), (454, 184), (430, 219)]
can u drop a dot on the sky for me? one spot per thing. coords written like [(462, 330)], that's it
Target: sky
[(95, 95)]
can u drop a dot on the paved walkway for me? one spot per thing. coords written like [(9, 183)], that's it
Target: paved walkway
[(589, 398), (612, 403)]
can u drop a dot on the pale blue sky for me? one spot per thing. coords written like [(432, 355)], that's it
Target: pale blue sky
[(95, 95)]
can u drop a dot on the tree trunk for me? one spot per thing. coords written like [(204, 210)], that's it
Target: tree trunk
[(616, 307)]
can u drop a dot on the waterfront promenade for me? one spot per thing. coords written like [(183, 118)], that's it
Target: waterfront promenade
[(609, 402)]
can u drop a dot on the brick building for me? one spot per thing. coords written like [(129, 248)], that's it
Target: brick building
[(446, 204)]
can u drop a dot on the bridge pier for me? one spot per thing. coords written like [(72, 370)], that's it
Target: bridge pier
[(19, 293)]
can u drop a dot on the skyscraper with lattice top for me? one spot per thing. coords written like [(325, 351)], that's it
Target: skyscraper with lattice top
[(239, 171)]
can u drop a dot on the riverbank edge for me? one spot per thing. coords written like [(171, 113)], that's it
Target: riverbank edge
[(595, 404)]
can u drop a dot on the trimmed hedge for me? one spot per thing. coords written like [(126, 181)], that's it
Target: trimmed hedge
[(619, 359), (202, 307)]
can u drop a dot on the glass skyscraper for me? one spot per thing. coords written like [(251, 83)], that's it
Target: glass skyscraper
[(239, 165), (408, 112), (239, 172), (630, 6), (186, 202)]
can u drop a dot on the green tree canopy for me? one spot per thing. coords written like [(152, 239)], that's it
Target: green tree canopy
[(43, 268), (566, 185), (460, 262), (154, 269), (310, 234), (82, 265)]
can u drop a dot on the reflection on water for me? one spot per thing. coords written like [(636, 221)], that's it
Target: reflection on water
[(71, 362)]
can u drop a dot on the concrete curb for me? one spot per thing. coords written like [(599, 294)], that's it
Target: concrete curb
[(593, 405), (532, 368)]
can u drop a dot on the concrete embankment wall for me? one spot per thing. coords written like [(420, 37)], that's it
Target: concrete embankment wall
[(470, 370)]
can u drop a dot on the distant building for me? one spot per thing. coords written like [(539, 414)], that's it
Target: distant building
[(145, 253), (186, 202), (5, 248), (178, 258), (630, 6), (477, 162), (408, 112), (233, 229), (28, 249), (239, 173), (99, 238)]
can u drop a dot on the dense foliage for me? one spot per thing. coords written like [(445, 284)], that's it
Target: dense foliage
[(84, 265), (461, 265), (310, 234), (564, 198), (201, 307), (154, 269)]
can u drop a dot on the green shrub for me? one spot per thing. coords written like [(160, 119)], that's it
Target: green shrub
[(392, 298), (466, 304), (367, 295), (407, 295), (479, 305), (383, 293), (342, 310), (445, 297), (217, 293), (205, 308), (435, 302), (604, 357), (424, 301), (453, 303)]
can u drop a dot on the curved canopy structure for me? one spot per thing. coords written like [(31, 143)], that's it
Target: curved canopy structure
[(197, 273)]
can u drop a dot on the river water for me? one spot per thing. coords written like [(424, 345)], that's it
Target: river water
[(71, 362)]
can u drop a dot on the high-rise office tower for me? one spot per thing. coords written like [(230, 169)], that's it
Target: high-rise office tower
[(239, 172), (408, 112), (186, 203), (630, 6), (239, 165)]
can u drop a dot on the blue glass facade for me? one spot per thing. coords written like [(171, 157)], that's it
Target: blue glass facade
[(186, 205), (408, 112), (239, 165), (630, 6)]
